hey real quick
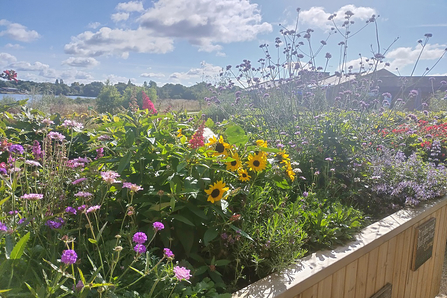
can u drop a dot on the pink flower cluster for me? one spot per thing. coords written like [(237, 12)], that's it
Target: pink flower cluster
[(147, 104), (198, 140)]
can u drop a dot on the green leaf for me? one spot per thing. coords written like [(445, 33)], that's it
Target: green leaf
[(125, 162), (32, 290), (160, 206), (181, 166), (17, 252), (4, 200), (210, 235), (222, 262), (239, 231), (186, 237), (236, 135), (4, 291), (183, 219)]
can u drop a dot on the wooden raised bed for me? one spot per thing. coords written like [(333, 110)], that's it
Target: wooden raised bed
[(399, 256)]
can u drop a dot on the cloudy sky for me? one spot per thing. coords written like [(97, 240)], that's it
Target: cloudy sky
[(179, 41)]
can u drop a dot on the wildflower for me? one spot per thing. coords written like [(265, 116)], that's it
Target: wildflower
[(181, 273), (147, 104), (37, 150), (132, 187), (55, 224), (257, 162), (16, 148), (70, 210), (79, 286), (243, 175), (83, 194), (109, 177), (3, 227), (82, 208), (118, 248), (235, 164), (103, 138), (305, 194), (72, 123), (261, 143), (140, 249), (168, 253), (77, 181), (328, 159), (99, 153), (33, 163), (47, 121), (158, 226), (69, 257), (55, 136), (32, 197), (219, 146), (179, 133), (13, 212), (93, 208), (139, 237), (216, 191), (197, 139)]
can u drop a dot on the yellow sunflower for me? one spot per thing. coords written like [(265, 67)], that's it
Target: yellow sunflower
[(257, 162), (261, 143), (216, 191), (282, 157), (219, 146), (243, 175), (179, 131), (235, 164), (290, 173)]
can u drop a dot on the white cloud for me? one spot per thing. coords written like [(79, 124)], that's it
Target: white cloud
[(6, 59), (114, 79), (81, 61), (75, 75), (152, 75), (94, 25), (26, 66), (130, 6), (404, 56), (317, 17), (120, 16), (13, 46), (18, 32), (206, 72), (108, 41), (206, 22)]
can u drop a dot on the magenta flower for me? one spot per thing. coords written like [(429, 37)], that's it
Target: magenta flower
[(70, 210), (158, 226), (83, 194), (55, 224), (56, 136), (69, 257), (3, 227), (17, 149), (139, 237), (82, 208), (168, 253), (181, 273), (32, 197), (140, 248)]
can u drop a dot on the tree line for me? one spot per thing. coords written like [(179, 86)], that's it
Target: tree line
[(93, 89)]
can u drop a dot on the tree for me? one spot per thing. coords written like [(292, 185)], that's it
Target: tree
[(109, 99)]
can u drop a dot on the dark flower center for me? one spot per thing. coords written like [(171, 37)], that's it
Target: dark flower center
[(215, 193), (220, 148), (244, 175), (233, 163), (256, 163)]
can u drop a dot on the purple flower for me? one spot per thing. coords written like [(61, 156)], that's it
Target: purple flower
[(109, 176), (32, 197), (77, 181), (132, 187), (158, 226), (70, 210), (33, 163), (328, 159), (55, 224), (168, 253), (17, 149), (3, 171), (69, 257), (140, 248), (139, 237), (13, 212), (93, 208), (181, 273), (82, 208), (56, 136), (79, 286), (83, 194), (72, 123), (103, 138), (37, 150), (305, 194), (22, 220), (3, 227)]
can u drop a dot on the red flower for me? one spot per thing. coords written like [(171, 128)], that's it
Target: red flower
[(147, 104)]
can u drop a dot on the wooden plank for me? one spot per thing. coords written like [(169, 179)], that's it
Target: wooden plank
[(390, 257), (438, 259), (398, 264), (362, 271), (381, 266), (325, 288), (311, 292), (405, 263), (351, 279), (371, 275), (338, 283)]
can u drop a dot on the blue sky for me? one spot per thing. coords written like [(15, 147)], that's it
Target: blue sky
[(186, 42)]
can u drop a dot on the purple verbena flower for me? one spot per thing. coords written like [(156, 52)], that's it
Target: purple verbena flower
[(140, 248), (139, 237), (168, 253), (70, 210), (69, 257), (16, 149), (158, 226)]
